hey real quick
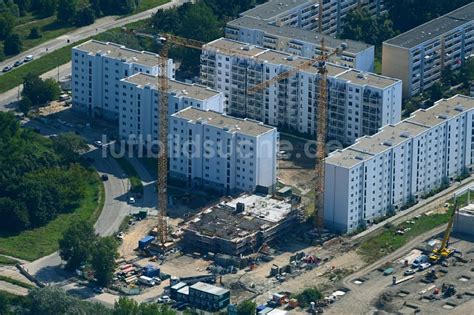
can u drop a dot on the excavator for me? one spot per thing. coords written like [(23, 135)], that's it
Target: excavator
[(443, 252)]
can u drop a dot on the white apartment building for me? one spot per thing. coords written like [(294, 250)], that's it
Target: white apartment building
[(97, 69), (138, 104), (401, 163), (228, 154), (418, 56), (300, 42), (306, 14), (359, 102)]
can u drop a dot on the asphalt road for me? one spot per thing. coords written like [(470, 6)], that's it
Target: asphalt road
[(9, 98), (100, 25)]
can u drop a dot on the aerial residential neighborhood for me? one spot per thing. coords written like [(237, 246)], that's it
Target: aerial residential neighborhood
[(236, 157)]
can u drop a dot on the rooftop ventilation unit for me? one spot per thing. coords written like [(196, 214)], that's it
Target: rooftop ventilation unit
[(405, 135), (387, 143), (442, 116), (459, 108)]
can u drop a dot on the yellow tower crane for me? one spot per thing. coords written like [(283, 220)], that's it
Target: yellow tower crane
[(320, 62), (163, 86)]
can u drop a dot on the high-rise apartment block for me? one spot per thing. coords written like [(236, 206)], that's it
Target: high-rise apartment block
[(325, 16), (418, 56), (359, 102), (97, 69), (223, 153), (300, 42), (399, 164), (138, 104)]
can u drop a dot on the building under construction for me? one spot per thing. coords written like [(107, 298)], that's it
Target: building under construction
[(241, 225)]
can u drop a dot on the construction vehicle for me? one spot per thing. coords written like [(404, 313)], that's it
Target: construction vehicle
[(443, 252)]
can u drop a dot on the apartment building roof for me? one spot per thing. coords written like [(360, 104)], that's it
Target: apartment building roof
[(392, 135), (434, 28), (294, 34), (209, 288), (120, 52), (177, 88), (274, 8), (366, 78), (230, 124), (442, 110), (231, 47)]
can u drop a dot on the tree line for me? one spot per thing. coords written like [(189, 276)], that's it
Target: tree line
[(53, 300), (39, 177)]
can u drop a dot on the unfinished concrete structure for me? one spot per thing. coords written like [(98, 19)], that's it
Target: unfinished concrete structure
[(464, 220), (240, 225)]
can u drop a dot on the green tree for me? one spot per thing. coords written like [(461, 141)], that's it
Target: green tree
[(126, 306), (103, 260), (46, 7), (54, 301), (7, 22), (360, 25), (70, 145), (76, 245), (39, 91), (309, 295), (84, 16), (35, 33), (23, 6), (248, 307), (25, 105), (67, 10), (14, 215), (200, 23), (13, 45), (436, 92)]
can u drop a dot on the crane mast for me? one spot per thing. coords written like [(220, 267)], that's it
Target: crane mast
[(162, 176), (321, 136)]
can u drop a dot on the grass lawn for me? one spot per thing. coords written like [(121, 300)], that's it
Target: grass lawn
[(388, 241), (49, 27), (36, 243), (144, 5), (135, 181), (7, 261), (16, 282), (39, 66)]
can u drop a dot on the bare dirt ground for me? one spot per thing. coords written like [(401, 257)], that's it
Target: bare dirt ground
[(133, 235), (295, 167)]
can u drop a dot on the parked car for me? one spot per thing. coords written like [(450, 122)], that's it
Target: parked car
[(131, 200), (7, 68), (105, 177), (98, 143), (64, 97), (424, 266), (98, 290), (120, 236), (28, 58), (409, 272), (18, 63), (419, 260)]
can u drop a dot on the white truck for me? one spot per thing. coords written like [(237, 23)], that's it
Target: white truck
[(146, 281)]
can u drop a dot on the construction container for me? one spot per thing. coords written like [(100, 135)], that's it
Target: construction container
[(145, 242), (151, 271), (274, 271)]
